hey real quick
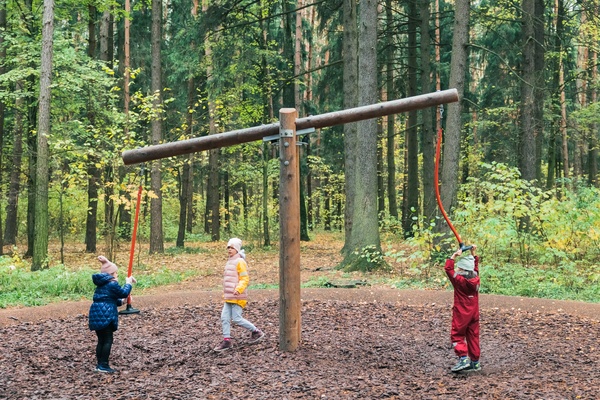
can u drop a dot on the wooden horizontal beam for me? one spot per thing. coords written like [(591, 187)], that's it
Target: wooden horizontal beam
[(246, 135)]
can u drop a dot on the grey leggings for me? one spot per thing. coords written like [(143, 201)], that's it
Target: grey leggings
[(233, 312)]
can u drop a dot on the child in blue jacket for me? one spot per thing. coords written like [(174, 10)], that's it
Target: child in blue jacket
[(103, 315)]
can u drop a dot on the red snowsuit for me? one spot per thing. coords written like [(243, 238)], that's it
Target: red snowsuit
[(465, 312)]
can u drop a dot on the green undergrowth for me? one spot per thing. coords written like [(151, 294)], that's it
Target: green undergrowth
[(21, 287), (564, 282), (569, 280)]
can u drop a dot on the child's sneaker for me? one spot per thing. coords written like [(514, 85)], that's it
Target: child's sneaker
[(463, 363), (225, 345), (105, 369), (475, 366), (256, 336)]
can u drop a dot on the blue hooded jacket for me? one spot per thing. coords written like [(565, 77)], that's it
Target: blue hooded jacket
[(107, 297)]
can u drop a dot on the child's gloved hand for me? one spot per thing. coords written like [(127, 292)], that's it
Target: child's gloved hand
[(131, 280)]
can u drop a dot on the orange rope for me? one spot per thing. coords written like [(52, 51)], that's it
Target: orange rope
[(437, 186), (133, 236)]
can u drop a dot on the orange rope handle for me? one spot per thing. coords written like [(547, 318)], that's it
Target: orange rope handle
[(437, 186), (133, 236)]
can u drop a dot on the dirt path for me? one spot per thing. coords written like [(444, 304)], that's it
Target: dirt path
[(174, 298)]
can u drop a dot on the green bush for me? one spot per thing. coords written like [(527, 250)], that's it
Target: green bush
[(514, 221)]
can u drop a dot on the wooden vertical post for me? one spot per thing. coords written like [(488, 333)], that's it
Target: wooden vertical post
[(289, 233)]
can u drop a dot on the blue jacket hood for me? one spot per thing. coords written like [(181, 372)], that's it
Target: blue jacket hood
[(102, 279)]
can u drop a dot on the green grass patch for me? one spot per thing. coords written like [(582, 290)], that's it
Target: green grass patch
[(263, 286), (319, 282), (21, 287)]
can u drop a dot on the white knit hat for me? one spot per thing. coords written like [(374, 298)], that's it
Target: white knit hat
[(235, 243)]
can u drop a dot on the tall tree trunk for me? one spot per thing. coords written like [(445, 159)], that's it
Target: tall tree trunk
[(563, 119), (412, 144), (593, 146), (350, 79), (527, 152), (110, 181), (309, 98), (267, 116), (380, 168), (187, 175), (189, 225), (392, 193), (452, 137), (91, 222), (32, 108), (212, 223), (185, 180), (156, 225), (40, 246), (298, 100), (93, 171), (31, 169), (265, 196), (540, 85), (428, 132), (557, 88), (581, 83), (2, 108), (213, 195), (226, 197), (11, 227), (365, 223)]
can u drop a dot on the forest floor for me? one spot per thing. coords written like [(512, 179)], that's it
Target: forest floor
[(369, 342)]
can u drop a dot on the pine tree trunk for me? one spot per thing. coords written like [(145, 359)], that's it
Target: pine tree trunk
[(392, 193), (452, 136), (156, 225), (428, 133), (40, 245), (184, 182), (93, 172), (527, 150), (365, 224), (412, 144), (11, 227), (124, 68), (540, 85), (350, 81), (2, 108), (593, 146)]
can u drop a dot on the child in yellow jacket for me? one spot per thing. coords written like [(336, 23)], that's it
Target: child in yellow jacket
[(235, 282)]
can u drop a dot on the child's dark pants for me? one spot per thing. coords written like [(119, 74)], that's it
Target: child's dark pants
[(105, 341)]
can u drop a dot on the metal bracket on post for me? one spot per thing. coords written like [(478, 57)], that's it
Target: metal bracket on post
[(301, 132), (286, 133)]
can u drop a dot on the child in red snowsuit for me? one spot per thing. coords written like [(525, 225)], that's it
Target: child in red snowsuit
[(465, 311)]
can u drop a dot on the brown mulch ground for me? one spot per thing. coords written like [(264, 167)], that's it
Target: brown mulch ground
[(365, 343)]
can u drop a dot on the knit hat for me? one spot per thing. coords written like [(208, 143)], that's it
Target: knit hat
[(467, 263), (235, 243), (107, 266)]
